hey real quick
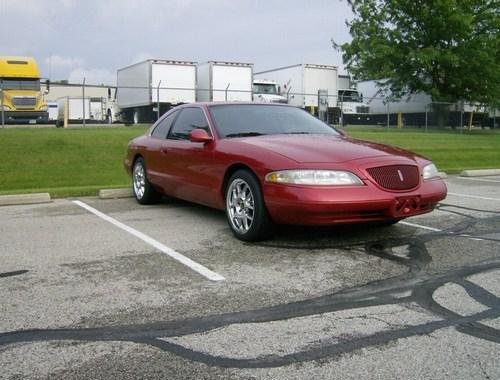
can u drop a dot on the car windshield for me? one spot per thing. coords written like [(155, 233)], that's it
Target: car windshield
[(238, 120)]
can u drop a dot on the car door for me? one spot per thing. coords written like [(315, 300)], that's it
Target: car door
[(189, 164), (155, 154)]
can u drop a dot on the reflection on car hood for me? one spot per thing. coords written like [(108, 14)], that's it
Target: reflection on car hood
[(323, 148)]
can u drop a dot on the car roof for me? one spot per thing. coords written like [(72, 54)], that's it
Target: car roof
[(211, 104)]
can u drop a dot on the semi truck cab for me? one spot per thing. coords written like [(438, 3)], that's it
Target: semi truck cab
[(267, 91), (351, 102), (21, 97)]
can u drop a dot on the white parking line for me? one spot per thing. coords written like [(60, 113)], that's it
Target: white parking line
[(438, 230), (479, 179), (474, 197), (161, 247), (420, 226)]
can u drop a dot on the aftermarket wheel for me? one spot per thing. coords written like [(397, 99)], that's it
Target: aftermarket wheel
[(144, 193), (245, 209)]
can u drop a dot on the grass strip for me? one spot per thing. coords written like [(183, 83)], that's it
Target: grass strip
[(80, 161)]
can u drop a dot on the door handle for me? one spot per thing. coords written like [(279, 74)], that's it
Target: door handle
[(164, 150)]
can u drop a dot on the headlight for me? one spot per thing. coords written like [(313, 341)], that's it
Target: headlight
[(314, 177), (44, 108), (430, 171), (5, 107)]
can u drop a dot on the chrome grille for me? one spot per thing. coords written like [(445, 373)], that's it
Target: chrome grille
[(395, 177), (24, 101)]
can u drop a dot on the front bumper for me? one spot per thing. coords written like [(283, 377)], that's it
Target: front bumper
[(306, 205), (25, 117)]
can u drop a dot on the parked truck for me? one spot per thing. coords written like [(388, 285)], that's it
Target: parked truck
[(300, 84), (94, 110), (417, 109), (267, 91), (21, 95), (144, 86), (224, 81)]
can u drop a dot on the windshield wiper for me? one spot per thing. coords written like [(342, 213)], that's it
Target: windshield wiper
[(245, 134)]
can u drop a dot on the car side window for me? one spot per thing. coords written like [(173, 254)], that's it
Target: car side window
[(189, 119), (161, 130)]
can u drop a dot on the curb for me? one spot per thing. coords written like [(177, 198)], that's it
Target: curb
[(115, 193), (443, 175), (24, 199), (480, 173)]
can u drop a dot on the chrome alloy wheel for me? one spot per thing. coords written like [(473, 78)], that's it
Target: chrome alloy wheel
[(139, 179), (240, 205)]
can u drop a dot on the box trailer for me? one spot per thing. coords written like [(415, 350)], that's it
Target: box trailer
[(145, 85), (74, 109), (77, 109), (301, 83), (224, 81)]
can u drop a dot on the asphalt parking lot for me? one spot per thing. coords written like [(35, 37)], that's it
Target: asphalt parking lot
[(105, 289)]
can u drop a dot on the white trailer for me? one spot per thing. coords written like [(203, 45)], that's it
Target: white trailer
[(53, 110), (224, 81), (73, 109), (301, 83), (76, 109), (144, 85)]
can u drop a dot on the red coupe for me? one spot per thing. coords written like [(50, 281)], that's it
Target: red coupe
[(269, 164)]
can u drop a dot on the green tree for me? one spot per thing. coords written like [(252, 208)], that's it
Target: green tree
[(449, 49)]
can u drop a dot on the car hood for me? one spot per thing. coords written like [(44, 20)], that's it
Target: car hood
[(324, 148)]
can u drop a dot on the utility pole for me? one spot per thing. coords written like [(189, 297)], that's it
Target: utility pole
[(83, 99), (1, 105), (158, 101)]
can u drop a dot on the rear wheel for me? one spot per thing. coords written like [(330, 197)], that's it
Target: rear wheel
[(245, 209), (144, 192)]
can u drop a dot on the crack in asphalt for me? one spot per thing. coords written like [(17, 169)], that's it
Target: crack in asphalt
[(13, 273), (419, 285)]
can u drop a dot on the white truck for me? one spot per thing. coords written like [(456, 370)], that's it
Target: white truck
[(77, 109), (145, 85), (267, 91), (350, 102), (300, 83), (224, 81)]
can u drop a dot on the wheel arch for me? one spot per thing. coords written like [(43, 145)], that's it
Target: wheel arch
[(229, 172)]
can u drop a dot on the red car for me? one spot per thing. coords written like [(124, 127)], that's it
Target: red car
[(267, 164)]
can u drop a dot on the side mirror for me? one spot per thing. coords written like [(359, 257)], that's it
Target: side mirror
[(200, 136)]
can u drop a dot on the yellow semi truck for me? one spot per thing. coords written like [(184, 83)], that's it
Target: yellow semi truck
[(21, 96)]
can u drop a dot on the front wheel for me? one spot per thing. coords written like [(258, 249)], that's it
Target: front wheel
[(245, 209), (144, 192)]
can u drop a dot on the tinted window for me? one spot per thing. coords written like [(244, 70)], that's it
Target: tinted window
[(163, 126), (253, 119), (189, 119)]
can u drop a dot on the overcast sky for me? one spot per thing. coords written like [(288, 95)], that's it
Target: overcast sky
[(93, 38)]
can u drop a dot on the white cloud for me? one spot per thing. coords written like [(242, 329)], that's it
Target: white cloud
[(57, 61), (92, 76)]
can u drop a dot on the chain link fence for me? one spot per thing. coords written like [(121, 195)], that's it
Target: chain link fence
[(89, 103)]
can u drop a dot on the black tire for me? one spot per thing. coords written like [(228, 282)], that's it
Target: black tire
[(143, 191), (238, 212)]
